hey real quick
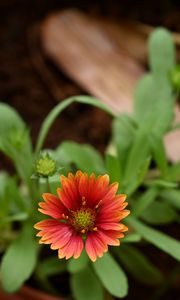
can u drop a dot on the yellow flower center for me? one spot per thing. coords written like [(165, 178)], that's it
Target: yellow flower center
[(83, 220)]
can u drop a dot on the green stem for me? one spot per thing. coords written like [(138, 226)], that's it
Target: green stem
[(48, 185), (59, 108)]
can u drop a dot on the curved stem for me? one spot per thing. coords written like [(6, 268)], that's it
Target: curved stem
[(59, 108)]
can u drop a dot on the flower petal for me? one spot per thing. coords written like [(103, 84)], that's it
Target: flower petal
[(95, 247), (73, 248), (110, 237), (111, 226), (92, 188), (53, 232), (69, 194), (52, 206)]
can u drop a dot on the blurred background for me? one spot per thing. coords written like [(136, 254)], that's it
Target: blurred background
[(33, 83)]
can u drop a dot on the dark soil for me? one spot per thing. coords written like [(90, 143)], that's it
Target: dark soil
[(26, 78)]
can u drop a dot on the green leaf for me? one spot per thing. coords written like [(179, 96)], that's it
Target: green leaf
[(85, 285), (159, 153), (137, 163), (159, 213), (113, 167), (76, 265), (111, 275), (51, 266), (19, 261), (18, 203), (144, 201), (16, 217), (9, 119), (138, 265), (123, 135), (11, 202), (157, 238), (150, 97), (144, 101), (171, 196), (161, 53), (174, 172), (4, 203), (132, 238), (138, 178), (154, 91), (15, 141), (85, 157), (3, 182), (161, 183), (59, 108)]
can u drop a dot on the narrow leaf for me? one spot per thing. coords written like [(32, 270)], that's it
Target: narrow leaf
[(159, 153), (111, 275), (172, 197), (59, 108), (159, 213), (123, 131), (157, 238), (113, 167), (132, 238), (144, 201), (139, 265)]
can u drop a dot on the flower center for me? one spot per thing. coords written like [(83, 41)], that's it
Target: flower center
[(83, 220)]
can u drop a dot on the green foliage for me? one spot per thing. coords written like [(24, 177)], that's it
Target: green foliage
[(144, 201), (51, 266), (137, 165), (150, 96), (172, 197), (111, 275), (159, 153), (154, 91), (175, 78), (159, 213), (77, 265), (85, 285), (157, 238), (138, 265), (161, 53), (59, 108), (19, 261), (113, 167), (85, 157), (123, 131), (15, 141)]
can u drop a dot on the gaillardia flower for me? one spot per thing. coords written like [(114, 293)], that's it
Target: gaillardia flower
[(86, 213)]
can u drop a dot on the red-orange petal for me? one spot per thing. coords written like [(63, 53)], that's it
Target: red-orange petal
[(92, 188), (110, 226), (53, 232), (95, 247), (52, 206), (73, 248), (69, 194), (110, 237)]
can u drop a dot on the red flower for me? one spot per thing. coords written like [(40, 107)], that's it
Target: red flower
[(86, 211)]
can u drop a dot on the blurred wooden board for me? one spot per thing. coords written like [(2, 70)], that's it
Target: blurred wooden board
[(106, 59)]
